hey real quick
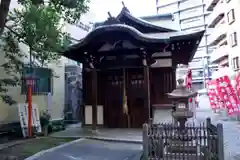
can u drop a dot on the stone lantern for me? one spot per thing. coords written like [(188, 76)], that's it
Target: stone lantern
[(180, 98), (179, 139)]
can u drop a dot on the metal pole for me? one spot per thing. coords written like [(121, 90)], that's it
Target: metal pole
[(206, 45), (29, 97)]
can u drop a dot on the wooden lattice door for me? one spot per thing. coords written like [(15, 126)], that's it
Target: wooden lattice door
[(135, 94), (113, 96)]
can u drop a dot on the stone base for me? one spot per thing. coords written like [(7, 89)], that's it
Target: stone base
[(95, 131), (182, 147), (182, 114)]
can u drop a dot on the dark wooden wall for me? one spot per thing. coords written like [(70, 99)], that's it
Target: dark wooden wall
[(110, 82)]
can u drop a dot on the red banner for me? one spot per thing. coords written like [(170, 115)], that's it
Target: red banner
[(227, 94), (188, 83), (212, 95)]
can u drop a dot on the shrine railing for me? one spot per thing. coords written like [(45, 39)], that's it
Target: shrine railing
[(169, 142)]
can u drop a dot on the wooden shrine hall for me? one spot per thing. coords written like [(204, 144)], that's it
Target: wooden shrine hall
[(128, 67)]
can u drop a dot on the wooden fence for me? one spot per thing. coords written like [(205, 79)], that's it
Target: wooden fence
[(170, 142)]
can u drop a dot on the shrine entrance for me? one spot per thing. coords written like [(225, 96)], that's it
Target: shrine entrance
[(134, 88)]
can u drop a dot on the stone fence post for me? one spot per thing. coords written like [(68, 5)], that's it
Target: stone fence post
[(145, 141), (208, 122)]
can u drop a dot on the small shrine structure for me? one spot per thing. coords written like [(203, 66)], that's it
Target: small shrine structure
[(129, 65)]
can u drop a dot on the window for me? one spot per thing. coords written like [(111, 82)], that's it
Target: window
[(231, 16), (73, 73), (43, 81), (233, 39), (235, 62)]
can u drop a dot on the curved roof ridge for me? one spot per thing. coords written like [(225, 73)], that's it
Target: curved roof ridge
[(141, 21)]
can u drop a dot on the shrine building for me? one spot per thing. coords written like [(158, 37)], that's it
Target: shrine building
[(128, 67)]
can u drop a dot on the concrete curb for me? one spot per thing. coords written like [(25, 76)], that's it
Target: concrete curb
[(115, 140), (37, 155)]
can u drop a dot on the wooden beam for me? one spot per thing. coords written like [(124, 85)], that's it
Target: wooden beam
[(94, 98), (127, 51)]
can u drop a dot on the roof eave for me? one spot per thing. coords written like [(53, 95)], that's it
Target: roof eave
[(117, 27), (196, 37)]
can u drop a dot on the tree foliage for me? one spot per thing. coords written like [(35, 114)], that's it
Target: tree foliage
[(4, 8), (40, 27)]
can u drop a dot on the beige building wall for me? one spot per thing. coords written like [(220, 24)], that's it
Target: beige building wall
[(9, 114)]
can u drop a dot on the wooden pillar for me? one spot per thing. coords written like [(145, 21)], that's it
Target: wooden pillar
[(174, 79), (147, 103), (94, 98)]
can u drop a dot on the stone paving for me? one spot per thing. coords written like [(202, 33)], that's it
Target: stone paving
[(231, 131), (95, 150), (133, 135)]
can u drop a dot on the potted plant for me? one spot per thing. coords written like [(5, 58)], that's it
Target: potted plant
[(45, 121)]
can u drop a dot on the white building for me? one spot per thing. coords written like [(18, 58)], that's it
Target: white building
[(225, 23), (191, 15)]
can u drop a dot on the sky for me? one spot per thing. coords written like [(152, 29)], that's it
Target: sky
[(99, 8)]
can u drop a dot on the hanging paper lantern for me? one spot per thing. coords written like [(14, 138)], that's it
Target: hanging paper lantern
[(190, 100)]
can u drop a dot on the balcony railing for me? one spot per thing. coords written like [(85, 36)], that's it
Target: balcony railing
[(224, 62), (211, 4), (196, 65), (216, 15), (218, 35), (219, 54)]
